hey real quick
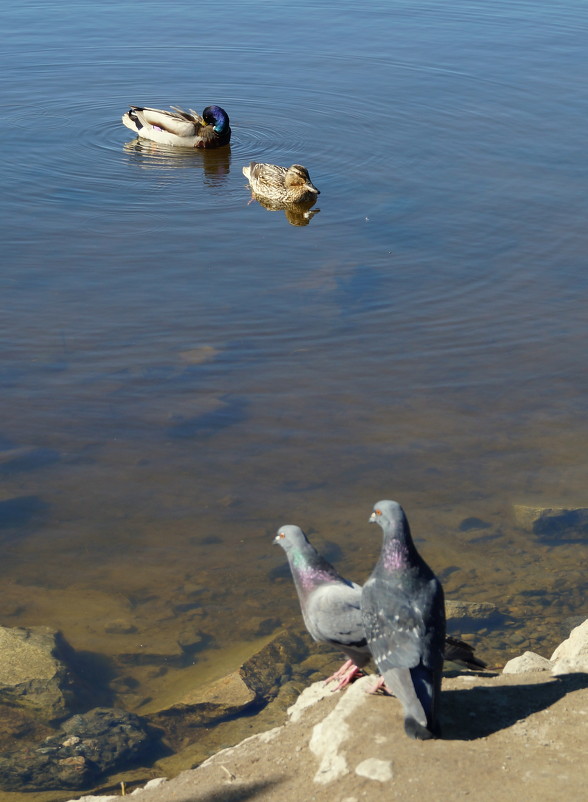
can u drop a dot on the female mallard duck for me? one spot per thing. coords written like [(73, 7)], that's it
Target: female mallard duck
[(281, 184), (184, 128)]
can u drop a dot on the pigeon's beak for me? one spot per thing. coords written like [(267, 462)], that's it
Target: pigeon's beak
[(276, 540), (372, 519)]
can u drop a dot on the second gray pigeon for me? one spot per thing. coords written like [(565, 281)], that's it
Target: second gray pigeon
[(330, 604), (331, 608), (403, 612)]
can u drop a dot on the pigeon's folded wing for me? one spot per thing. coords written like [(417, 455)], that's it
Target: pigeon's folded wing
[(333, 612), (396, 632)]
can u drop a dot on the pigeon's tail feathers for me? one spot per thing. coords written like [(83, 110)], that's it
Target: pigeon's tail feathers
[(399, 682), (427, 686), (415, 730), (417, 689), (457, 651)]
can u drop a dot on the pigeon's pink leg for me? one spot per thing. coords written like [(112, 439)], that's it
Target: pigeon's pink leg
[(346, 674), (340, 672), (351, 674), (380, 686)]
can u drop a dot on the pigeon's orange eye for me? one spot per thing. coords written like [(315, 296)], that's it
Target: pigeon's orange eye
[(282, 534), (378, 512)]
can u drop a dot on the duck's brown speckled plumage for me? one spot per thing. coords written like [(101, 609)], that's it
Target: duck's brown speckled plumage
[(281, 184)]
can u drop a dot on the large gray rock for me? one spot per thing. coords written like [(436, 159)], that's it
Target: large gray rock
[(35, 672), (571, 656)]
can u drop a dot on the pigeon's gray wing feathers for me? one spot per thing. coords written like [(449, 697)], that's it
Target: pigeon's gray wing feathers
[(333, 614), (397, 631)]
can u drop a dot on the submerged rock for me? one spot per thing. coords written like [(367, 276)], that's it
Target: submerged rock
[(479, 611), (473, 523), (87, 747), (272, 666), (553, 522), (19, 726)]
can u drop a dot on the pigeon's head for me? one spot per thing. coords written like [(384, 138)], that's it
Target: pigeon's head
[(290, 538), (386, 513)]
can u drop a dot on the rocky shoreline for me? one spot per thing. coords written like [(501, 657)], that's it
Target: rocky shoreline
[(519, 732), (63, 731)]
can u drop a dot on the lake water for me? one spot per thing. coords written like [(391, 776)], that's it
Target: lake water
[(183, 371)]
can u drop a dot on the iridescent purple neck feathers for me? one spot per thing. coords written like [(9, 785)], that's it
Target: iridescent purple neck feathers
[(309, 568), (398, 550), (309, 576), (395, 555)]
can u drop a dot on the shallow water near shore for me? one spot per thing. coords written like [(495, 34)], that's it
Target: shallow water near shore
[(183, 371)]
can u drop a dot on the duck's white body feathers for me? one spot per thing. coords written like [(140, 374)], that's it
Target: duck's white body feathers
[(181, 128)]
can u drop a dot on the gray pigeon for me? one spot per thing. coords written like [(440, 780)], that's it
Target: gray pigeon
[(331, 608), (403, 614), (330, 604)]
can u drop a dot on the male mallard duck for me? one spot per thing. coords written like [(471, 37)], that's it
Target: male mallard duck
[(184, 128), (282, 184)]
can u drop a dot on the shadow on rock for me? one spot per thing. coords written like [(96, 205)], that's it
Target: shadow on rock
[(98, 672), (237, 793), (481, 711)]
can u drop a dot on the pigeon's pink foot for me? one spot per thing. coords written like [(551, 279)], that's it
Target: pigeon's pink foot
[(346, 674), (340, 672), (350, 676), (380, 686)]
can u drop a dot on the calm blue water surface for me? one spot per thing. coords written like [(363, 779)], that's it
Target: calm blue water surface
[(183, 371)]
